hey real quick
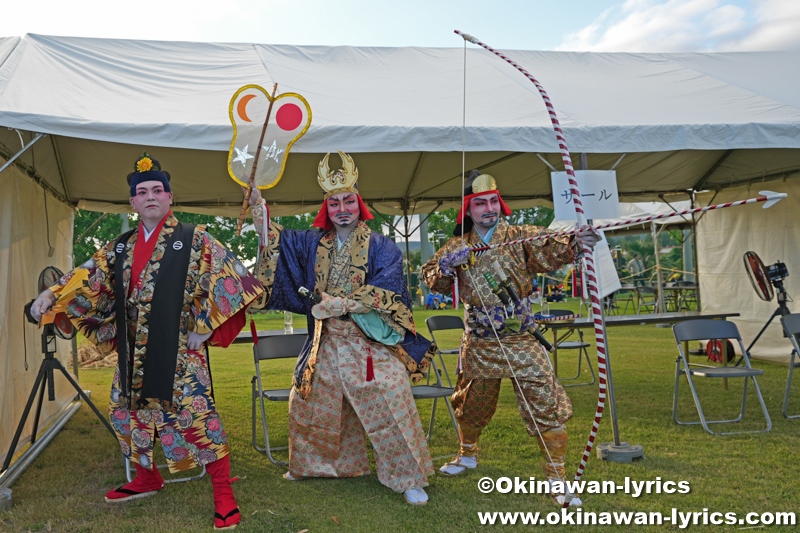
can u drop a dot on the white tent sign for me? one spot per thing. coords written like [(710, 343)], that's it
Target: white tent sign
[(598, 193), (607, 272)]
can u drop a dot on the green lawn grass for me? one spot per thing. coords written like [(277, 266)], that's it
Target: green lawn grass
[(63, 490)]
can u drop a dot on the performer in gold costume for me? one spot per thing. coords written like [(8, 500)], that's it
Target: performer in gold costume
[(354, 375), (513, 351)]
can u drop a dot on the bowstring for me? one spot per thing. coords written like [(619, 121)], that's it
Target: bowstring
[(514, 374), (463, 143), (472, 280)]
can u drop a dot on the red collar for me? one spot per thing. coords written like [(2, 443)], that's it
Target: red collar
[(143, 251)]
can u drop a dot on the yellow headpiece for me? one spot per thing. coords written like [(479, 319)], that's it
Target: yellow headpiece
[(483, 183), (342, 180)]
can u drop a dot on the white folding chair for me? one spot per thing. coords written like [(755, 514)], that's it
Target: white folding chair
[(694, 330), (271, 348), (442, 386), (791, 324)]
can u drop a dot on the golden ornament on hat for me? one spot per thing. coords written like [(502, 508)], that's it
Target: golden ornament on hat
[(483, 183), (342, 180)]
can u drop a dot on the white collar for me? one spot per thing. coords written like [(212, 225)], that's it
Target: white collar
[(147, 234)]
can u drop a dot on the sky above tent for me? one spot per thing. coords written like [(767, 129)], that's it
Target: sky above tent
[(576, 25)]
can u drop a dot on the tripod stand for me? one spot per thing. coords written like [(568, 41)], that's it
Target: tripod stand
[(782, 310), (45, 378)]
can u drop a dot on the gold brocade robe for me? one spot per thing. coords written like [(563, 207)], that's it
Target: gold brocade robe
[(483, 357)]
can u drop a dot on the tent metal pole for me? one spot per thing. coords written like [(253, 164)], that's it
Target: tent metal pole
[(24, 148), (660, 277), (408, 252), (696, 253), (32, 452), (424, 253), (701, 184), (60, 165)]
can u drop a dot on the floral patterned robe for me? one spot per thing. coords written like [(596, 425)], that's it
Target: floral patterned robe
[(218, 288)]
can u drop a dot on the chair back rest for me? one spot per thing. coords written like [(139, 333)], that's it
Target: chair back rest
[(791, 323), (439, 322), (695, 330), (279, 347)]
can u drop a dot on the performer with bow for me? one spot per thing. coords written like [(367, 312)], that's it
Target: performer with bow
[(496, 291), (157, 294), (353, 375)]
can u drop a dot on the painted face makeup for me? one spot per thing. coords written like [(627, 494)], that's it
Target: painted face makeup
[(343, 208), (151, 201), (485, 210)]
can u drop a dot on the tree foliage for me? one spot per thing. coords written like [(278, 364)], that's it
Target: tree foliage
[(245, 246), (672, 261), (109, 228), (106, 230), (444, 222)]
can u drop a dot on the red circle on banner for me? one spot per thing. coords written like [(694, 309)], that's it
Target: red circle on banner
[(288, 117)]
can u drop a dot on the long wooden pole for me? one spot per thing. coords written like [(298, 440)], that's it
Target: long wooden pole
[(246, 200)]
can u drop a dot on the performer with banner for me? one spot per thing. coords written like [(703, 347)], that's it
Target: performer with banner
[(158, 294), (353, 375), (498, 341)]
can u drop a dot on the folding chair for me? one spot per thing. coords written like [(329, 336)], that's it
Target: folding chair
[(672, 297), (688, 295), (272, 347), (648, 298), (694, 330), (625, 294), (580, 345), (610, 304), (791, 325), (439, 389)]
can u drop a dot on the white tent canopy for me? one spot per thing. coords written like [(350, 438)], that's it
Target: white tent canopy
[(684, 120)]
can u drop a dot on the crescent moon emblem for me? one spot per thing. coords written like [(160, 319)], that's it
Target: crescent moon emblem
[(241, 107)]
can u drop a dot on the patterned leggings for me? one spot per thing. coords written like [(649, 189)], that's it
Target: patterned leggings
[(475, 402)]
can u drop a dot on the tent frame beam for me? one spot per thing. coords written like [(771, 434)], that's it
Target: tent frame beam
[(22, 151), (36, 177), (698, 186)]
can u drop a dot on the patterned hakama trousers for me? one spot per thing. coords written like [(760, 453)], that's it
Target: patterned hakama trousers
[(475, 402), (193, 436), (327, 430)]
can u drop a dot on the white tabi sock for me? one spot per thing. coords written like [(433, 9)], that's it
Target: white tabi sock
[(416, 496), (560, 498), (459, 465)]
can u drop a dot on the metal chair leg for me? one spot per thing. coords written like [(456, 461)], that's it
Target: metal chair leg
[(788, 387)]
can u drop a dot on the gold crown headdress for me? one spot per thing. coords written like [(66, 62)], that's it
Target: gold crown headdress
[(483, 183), (342, 180)]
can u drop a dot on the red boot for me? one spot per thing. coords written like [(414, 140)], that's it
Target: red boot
[(226, 513), (146, 483)]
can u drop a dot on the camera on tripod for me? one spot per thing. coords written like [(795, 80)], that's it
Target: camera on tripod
[(777, 272)]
